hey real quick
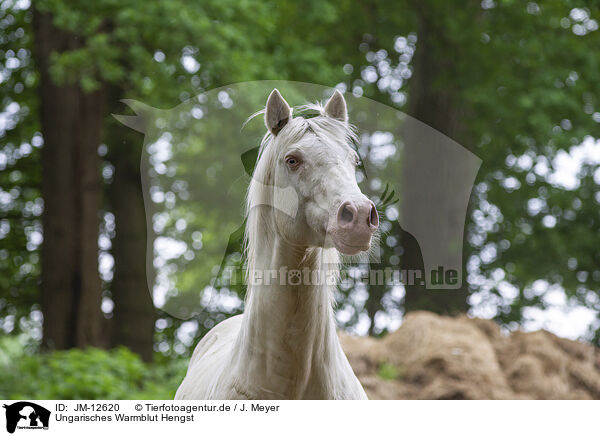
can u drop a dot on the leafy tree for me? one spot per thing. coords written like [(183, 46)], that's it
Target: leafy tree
[(87, 57), (514, 82), (519, 83)]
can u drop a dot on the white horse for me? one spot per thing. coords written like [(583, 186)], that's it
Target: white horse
[(304, 205)]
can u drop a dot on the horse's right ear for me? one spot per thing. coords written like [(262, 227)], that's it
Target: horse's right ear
[(277, 113)]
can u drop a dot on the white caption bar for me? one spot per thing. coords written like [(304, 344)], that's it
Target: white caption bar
[(90, 418)]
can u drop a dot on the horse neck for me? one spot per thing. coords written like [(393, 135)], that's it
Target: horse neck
[(288, 331)]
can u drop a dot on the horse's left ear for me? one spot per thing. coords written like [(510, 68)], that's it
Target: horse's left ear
[(336, 107)]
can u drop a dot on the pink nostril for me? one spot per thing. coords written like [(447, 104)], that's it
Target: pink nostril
[(346, 214), (373, 219)]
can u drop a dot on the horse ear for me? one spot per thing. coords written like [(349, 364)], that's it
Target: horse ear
[(336, 107), (277, 112)]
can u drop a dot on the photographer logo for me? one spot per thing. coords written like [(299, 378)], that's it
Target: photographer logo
[(26, 415)]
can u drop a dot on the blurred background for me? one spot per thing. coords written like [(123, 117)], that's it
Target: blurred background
[(516, 83)]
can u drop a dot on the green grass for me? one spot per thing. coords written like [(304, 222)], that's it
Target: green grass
[(387, 371)]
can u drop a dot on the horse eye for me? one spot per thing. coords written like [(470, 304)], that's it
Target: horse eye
[(292, 162)]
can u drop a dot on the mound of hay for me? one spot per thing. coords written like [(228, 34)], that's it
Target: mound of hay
[(438, 357)]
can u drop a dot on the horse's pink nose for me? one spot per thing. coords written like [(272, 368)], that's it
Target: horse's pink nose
[(359, 216)]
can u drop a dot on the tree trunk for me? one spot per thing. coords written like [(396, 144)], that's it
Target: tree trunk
[(437, 106), (71, 126), (134, 315)]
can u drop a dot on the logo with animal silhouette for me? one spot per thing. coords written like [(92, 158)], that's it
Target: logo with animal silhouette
[(26, 415)]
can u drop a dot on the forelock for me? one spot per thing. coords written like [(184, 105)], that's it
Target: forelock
[(327, 129)]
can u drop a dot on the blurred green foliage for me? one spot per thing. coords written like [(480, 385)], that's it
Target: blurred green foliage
[(524, 76), (85, 374)]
